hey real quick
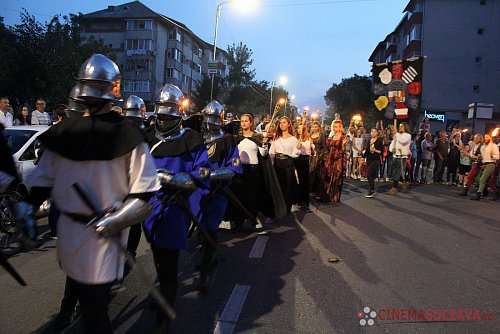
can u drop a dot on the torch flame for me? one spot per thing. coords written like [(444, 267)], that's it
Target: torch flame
[(495, 132)]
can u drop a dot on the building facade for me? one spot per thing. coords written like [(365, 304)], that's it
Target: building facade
[(151, 49), (460, 40)]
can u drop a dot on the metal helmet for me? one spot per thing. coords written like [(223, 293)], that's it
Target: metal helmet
[(133, 106), (167, 111), (100, 78), (75, 104), (212, 121), (168, 101)]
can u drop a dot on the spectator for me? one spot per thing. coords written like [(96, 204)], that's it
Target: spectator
[(23, 116), (425, 126), (441, 151), (465, 165), (418, 162), (427, 148), (453, 159), (413, 158), (40, 116), (6, 116), (60, 112), (229, 118), (262, 125)]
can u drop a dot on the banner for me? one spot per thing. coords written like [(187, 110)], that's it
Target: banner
[(397, 87)]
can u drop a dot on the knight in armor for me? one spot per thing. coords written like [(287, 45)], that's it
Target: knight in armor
[(181, 159), (106, 155), (224, 163), (133, 110)]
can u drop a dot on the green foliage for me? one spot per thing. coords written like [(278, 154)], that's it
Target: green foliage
[(201, 96), (353, 95), (42, 60)]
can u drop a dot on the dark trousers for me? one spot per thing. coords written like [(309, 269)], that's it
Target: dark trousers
[(302, 167), (451, 173), (166, 262), (417, 165), (412, 174), (439, 170), (94, 300), (134, 237), (54, 214), (69, 300), (373, 166)]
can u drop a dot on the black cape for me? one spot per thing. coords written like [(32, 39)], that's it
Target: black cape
[(274, 201), (98, 137), (186, 143)]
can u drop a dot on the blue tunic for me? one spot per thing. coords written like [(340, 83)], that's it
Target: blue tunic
[(223, 153), (167, 225)]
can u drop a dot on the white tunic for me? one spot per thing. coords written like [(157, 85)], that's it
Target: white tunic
[(86, 257), (285, 146), (248, 152)]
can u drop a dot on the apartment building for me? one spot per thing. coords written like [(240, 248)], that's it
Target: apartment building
[(460, 40), (152, 49)]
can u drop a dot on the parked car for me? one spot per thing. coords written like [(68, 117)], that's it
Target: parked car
[(22, 141)]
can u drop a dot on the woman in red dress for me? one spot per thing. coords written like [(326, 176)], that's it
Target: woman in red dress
[(332, 176)]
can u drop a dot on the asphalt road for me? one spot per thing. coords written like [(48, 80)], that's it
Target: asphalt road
[(426, 250)]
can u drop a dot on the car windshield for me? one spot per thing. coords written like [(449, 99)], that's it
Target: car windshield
[(17, 138)]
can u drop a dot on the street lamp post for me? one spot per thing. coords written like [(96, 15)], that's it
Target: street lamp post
[(217, 16)]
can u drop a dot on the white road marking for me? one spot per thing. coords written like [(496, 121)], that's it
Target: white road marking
[(229, 317), (259, 247)]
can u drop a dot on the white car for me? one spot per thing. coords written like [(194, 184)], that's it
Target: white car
[(22, 140)]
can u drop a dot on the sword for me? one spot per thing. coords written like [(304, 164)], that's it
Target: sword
[(93, 204), (181, 201), (8, 267)]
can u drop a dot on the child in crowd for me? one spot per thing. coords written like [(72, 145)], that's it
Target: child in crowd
[(464, 167)]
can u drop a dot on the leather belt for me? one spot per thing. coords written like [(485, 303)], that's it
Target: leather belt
[(281, 156)]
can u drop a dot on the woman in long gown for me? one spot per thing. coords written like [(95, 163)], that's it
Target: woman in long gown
[(318, 159), (332, 176)]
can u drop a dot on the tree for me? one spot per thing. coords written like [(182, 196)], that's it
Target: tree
[(44, 58), (353, 95), (240, 60), (201, 96)]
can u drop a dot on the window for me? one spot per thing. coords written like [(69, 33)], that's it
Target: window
[(482, 2), (475, 88), (137, 86), (170, 54), (138, 64), (139, 44), (185, 79), (200, 53), (139, 24), (173, 73), (178, 36), (480, 31), (197, 67), (177, 55), (478, 59)]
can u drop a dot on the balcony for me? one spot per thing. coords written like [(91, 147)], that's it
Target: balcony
[(415, 19), (414, 45), (390, 49)]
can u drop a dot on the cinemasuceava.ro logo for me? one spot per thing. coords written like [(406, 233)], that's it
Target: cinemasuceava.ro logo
[(367, 316)]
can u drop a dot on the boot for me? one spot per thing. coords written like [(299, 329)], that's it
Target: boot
[(476, 196), (463, 192), (393, 191), (494, 196)]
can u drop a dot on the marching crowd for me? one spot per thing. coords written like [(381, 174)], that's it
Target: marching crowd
[(105, 167)]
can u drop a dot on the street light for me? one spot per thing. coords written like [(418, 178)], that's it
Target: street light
[(282, 81), (246, 4)]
